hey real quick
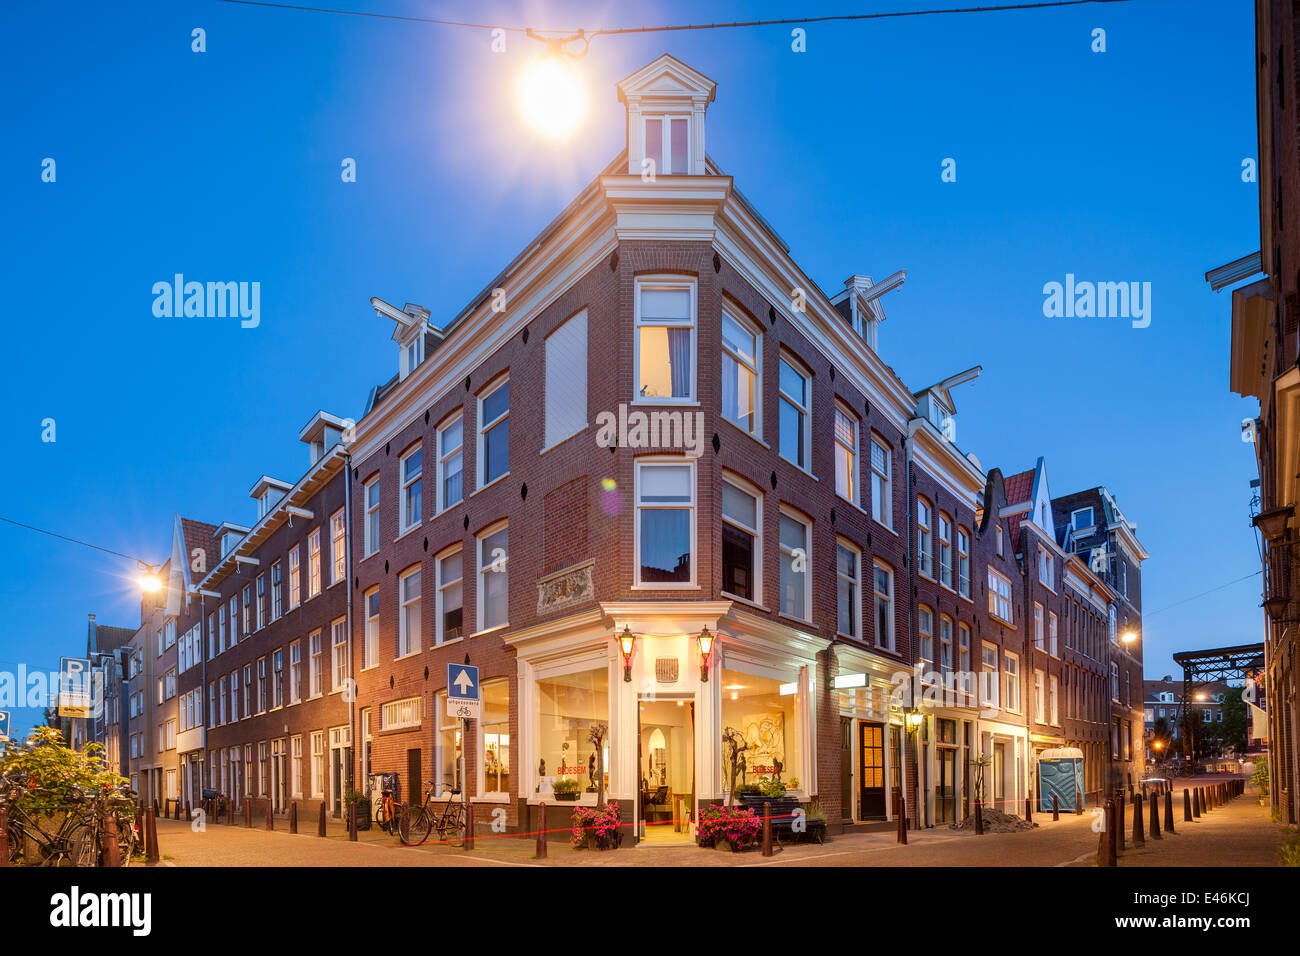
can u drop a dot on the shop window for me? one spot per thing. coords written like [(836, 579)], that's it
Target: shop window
[(763, 712), (496, 737), (567, 707)]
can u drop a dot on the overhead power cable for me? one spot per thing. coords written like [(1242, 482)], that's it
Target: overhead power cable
[(667, 28)]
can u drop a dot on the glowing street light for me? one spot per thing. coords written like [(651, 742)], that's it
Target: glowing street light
[(149, 581), (552, 99)]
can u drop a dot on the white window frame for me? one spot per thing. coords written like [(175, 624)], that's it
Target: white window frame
[(806, 523), (338, 654), (370, 640), (1011, 680), (854, 471), (924, 538), (925, 633), (261, 598), (855, 611), (444, 457), (313, 563), (295, 576), (295, 672), (665, 121), (878, 595), (1053, 634), (882, 483), (482, 429), (440, 636), (752, 491), (563, 398), (1074, 518), (480, 603), (804, 408), (1040, 625), (754, 368), (407, 643), (371, 525), (277, 592), (315, 664), (997, 598), (963, 562), (404, 713), (650, 462), (295, 764), (665, 282), (338, 547), (943, 529), (405, 523)]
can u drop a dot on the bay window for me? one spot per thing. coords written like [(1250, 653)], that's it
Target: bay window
[(665, 340), (665, 523)]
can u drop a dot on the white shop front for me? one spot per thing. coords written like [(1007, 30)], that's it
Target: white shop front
[(666, 716)]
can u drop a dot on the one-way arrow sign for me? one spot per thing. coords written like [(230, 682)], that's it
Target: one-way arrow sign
[(463, 692)]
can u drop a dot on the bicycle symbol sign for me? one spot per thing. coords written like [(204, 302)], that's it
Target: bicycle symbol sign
[(463, 699)]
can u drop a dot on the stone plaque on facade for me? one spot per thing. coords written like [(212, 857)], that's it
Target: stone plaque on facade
[(565, 588)]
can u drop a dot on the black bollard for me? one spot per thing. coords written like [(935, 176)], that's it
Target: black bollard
[(1169, 811), (1187, 805), (1155, 817), (1139, 839)]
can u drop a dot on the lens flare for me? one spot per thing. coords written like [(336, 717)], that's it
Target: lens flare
[(551, 97)]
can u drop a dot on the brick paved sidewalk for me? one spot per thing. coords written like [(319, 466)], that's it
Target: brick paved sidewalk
[(1240, 834)]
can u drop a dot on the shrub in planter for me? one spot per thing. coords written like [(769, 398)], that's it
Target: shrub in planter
[(598, 828), (739, 827), (567, 788), (363, 807)]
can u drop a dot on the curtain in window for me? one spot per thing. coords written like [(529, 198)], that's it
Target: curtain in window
[(679, 359)]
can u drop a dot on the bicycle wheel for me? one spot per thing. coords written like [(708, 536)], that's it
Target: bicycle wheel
[(126, 838), (75, 846), (381, 818), (417, 827), (451, 829)]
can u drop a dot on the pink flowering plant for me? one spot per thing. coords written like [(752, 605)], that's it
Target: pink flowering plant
[(604, 823), (739, 826)]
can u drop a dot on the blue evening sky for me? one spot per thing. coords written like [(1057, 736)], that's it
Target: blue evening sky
[(224, 165)]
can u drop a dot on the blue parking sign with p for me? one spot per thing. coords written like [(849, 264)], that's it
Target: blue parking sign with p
[(462, 681), (4, 725)]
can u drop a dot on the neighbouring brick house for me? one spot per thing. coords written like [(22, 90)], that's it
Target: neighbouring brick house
[(1091, 525), (275, 689), (1264, 364), (652, 478)]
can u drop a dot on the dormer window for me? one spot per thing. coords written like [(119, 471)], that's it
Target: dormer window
[(412, 355), (667, 144)]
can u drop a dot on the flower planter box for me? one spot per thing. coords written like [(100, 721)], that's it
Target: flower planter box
[(566, 797)]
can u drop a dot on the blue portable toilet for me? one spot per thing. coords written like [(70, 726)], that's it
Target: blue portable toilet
[(1060, 772)]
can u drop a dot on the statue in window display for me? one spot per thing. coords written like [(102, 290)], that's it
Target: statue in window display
[(596, 735), (733, 746), (591, 772)]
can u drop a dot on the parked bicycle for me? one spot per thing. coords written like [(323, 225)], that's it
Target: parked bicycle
[(449, 821), (65, 834), (412, 825)]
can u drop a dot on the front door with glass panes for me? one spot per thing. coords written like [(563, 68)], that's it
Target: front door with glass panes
[(666, 769), (871, 771)]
